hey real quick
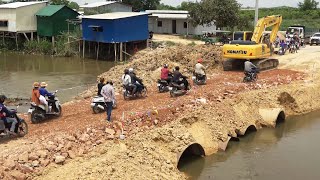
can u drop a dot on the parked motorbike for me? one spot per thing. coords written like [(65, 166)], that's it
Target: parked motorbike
[(250, 76), (140, 93), (163, 85), (39, 113), (21, 127), (179, 89), (98, 105), (199, 79)]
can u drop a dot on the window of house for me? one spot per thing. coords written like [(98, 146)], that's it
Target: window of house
[(97, 28), (159, 23), (185, 25), (3, 23)]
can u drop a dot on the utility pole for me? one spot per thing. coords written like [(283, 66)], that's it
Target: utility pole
[(256, 16)]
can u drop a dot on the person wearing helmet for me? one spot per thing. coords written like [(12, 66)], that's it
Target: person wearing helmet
[(165, 73), (177, 76), (5, 114), (35, 95), (135, 81), (43, 92), (200, 69)]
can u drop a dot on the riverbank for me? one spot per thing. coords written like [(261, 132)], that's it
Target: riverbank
[(207, 116)]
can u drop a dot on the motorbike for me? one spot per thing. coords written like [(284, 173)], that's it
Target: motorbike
[(293, 48), (140, 93), (163, 85), (21, 127), (38, 112), (179, 89), (98, 105), (199, 79), (250, 76)]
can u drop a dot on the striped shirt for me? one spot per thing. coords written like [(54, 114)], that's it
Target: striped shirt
[(108, 93)]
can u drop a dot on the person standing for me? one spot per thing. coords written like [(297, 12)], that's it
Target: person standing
[(100, 85), (109, 98)]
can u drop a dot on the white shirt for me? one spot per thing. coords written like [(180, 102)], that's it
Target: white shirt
[(199, 69), (126, 79)]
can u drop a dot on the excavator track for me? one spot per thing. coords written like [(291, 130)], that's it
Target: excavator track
[(262, 64)]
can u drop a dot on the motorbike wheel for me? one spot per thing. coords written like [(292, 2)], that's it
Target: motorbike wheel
[(255, 77), (35, 116), (144, 92), (96, 109), (245, 79), (125, 95), (60, 112), (172, 94), (22, 129)]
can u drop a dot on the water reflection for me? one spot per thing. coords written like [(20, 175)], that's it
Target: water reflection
[(18, 72), (266, 154)]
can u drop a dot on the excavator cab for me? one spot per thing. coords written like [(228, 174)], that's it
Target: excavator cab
[(242, 35)]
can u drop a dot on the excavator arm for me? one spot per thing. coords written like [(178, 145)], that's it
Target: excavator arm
[(265, 22)]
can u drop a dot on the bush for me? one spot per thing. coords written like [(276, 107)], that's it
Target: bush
[(170, 43)]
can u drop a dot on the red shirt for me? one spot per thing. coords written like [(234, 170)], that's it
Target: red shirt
[(164, 73)]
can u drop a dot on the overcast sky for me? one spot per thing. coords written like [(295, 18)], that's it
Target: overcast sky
[(245, 3)]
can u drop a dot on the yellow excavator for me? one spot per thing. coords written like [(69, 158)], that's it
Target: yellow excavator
[(259, 50)]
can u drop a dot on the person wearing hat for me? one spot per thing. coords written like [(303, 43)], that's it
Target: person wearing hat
[(5, 114), (43, 92), (109, 98), (35, 95), (200, 69), (165, 73)]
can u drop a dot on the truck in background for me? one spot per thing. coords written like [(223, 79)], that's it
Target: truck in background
[(303, 32)]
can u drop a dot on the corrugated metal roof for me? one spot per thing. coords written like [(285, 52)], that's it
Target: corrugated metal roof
[(115, 15), (49, 10), (167, 12), (170, 16), (97, 4), (20, 4)]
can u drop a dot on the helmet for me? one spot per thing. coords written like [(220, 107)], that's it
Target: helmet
[(200, 60), (130, 70), (2, 98), (165, 65), (43, 84), (36, 84), (177, 68)]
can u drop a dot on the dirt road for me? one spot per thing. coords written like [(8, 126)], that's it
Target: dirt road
[(80, 133)]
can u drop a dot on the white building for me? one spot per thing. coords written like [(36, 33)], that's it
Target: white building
[(175, 22), (20, 16), (102, 7)]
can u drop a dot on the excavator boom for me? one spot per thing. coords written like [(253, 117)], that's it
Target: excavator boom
[(265, 22)]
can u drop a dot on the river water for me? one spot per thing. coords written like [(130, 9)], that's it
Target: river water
[(288, 152), (68, 75)]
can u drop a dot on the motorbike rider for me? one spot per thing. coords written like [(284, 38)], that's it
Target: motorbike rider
[(5, 115), (249, 67), (35, 94), (43, 92), (165, 73), (100, 85), (126, 79), (176, 78), (200, 69), (135, 81)]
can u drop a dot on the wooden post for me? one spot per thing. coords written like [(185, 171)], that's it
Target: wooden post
[(38, 38), (52, 42), (98, 51), (115, 52), (125, 50), (31, 36), (17, 41), (121, 52), (25, 35), (89, 47), (83, 48)]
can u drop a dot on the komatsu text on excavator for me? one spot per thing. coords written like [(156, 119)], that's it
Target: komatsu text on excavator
[(259, 50)]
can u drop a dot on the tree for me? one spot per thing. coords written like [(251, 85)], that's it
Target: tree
[(308, 5), (59, 2), (73, 5), (223, 13), (165, 7), (141, 5)]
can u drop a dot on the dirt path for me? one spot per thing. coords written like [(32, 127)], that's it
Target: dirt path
[(78, 121)]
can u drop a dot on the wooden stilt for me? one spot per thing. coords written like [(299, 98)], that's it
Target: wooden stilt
[(121, 52), (17, 41), (98, 51), (83, 48), (31, 36), (25, 35), (89, 46), (38, 38), (115, 52), (52, 42), (125, 50)]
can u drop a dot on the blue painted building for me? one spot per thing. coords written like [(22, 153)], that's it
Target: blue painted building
[(118, 27)]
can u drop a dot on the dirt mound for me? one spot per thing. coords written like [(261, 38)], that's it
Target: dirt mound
[(147, 63)]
